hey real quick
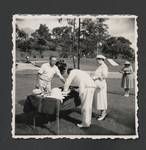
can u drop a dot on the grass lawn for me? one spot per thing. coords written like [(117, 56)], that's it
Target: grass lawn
[(120, 119), (85, 63)]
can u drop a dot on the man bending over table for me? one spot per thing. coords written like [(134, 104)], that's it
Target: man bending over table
[(86, 91)]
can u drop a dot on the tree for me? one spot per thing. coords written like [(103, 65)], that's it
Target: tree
[(92, 32), (73, 43), (62, 38), (111, 47), (22, 40), (84, 39), (118, 46), (20, 34), (102, 30), (41, 38)]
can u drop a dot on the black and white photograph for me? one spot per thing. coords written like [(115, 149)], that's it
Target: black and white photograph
[(74, 76)]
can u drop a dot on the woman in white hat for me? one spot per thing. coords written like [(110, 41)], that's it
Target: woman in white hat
[(127, 78), (100, 96)]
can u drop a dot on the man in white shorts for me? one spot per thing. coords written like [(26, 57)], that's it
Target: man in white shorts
[(46, 74)]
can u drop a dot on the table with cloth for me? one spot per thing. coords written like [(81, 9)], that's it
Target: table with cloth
[(52, 107)]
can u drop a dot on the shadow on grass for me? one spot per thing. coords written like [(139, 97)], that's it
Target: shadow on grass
[(92, 130), (123, 119), (24, 122), (117, 116), (96, 130), (65, 115), (24, 129), (27, 118)]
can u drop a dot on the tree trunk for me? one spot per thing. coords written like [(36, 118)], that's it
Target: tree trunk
[(74, 63), (79, 46), (40, 53), (73, 46)]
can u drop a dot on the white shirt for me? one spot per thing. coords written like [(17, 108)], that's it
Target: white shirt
[(80, 79), (47, 72)]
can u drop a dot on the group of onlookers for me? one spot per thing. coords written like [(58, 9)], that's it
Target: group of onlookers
[(92, 87)]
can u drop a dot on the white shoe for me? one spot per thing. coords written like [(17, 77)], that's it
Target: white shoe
[(102, 117), (82, 126)]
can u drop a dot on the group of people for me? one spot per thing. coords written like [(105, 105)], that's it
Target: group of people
[(92, 87)]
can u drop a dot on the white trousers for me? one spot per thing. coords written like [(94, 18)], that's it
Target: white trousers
[(86, 105)]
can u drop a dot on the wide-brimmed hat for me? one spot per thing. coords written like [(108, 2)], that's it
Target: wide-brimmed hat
[(127, 63), (36, 92), (100, 57)]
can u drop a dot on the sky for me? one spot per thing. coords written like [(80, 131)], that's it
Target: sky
[(123, 27), (118, 25)]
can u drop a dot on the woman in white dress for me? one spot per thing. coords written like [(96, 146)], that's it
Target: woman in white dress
[(100, 95)]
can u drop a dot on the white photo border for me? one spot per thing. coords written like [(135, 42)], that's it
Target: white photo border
[(24, 16)]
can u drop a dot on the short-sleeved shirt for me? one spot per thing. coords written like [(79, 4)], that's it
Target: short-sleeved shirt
[(47, 72)]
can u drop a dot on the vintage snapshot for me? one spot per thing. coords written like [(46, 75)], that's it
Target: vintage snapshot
[(74, 76)]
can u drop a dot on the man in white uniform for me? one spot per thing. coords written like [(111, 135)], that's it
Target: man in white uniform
[(46, 74), (86, 91)]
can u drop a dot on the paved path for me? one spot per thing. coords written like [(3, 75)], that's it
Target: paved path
[(26, 66), (112, 62)]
